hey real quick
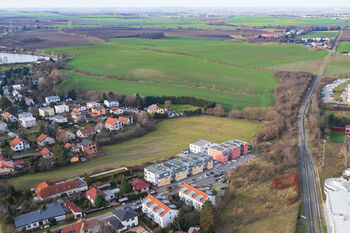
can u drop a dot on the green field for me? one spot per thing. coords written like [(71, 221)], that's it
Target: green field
[(226, 99), (344, 46), (188, 62), (327, 34), (338, 66), (170, 137), (261, 21)]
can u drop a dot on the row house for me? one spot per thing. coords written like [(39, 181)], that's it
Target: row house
[(157, 174), (59, 109), (160, 211), (52, 99), (46, 112), (18, 145), (44, 140), (38, 218), (65, 136), (195, 197), (47, 190), (200, 146), (85, 132), (110, 103), (123, 219), (6, 166), (113, 124)]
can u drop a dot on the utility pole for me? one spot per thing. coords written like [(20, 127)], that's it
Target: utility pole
[(324, 151)]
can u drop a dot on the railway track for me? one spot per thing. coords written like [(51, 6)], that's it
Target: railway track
[(307, 172)]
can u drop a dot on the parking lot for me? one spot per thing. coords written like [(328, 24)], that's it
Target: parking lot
[(208, 177)]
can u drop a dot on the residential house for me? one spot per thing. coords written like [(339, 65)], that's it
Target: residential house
[(3, 127), (98, 111), (45, 152), (6, 166), (8, 117), (85, 132), (347, 129), (157, 174), (154, 108), (52, 99), (110, 103), (126, 120), (139, 185), (92, 105), (200, 146), (46, 112), (59, 109), (29, 102), (88, 147), (123, 219), (116, 111), (19, 144), (93, 193), (113, 124), (44, 140), (78, 115), (65, 136), (74, 209), (47, 190), (40, 217), (58, 119), (16, 94), (17, 87), (27, 120), (83, 226), (19, 164), (194, 197), (160, 211), (219, 153)]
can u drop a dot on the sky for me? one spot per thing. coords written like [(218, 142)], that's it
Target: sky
[(170, 3)]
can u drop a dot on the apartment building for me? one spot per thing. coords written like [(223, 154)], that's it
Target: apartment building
[(157, 174), (178, 169), (243, 145), (200, 146), (234, 149), (219, 153), (195, 197), (160, 211)]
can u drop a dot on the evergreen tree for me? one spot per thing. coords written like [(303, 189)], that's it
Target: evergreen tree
[(125, 187), (180, 222), (207, 217), (5, 102), (100, 201), (61, 154)]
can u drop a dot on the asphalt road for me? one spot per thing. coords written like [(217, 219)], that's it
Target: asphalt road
[(310, 194)]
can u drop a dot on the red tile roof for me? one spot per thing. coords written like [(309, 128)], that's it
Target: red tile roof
[(88, 130), (44, 152), (62, 133), (17, 140), (196, 191), (58, 188), (42, 137), (160, 205), (6, 115), (123, 119), (139, 184), (73, 207), (94, 192), (76, 227), (111, 121)]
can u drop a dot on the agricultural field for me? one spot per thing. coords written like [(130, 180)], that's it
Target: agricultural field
[(344, 46), (226, 99), (170, 137), (265, 21), (326, 34), (339, 66), (202, 64)]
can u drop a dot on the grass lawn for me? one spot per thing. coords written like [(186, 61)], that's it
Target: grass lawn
[(226, 99), (180, 108), (327, 34), (169, 139), (338, 136), (344, 46)]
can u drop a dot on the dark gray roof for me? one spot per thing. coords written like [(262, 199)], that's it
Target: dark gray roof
[(112, 100), (115, 223), (52, 210), (124, 213), (85, 142)]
